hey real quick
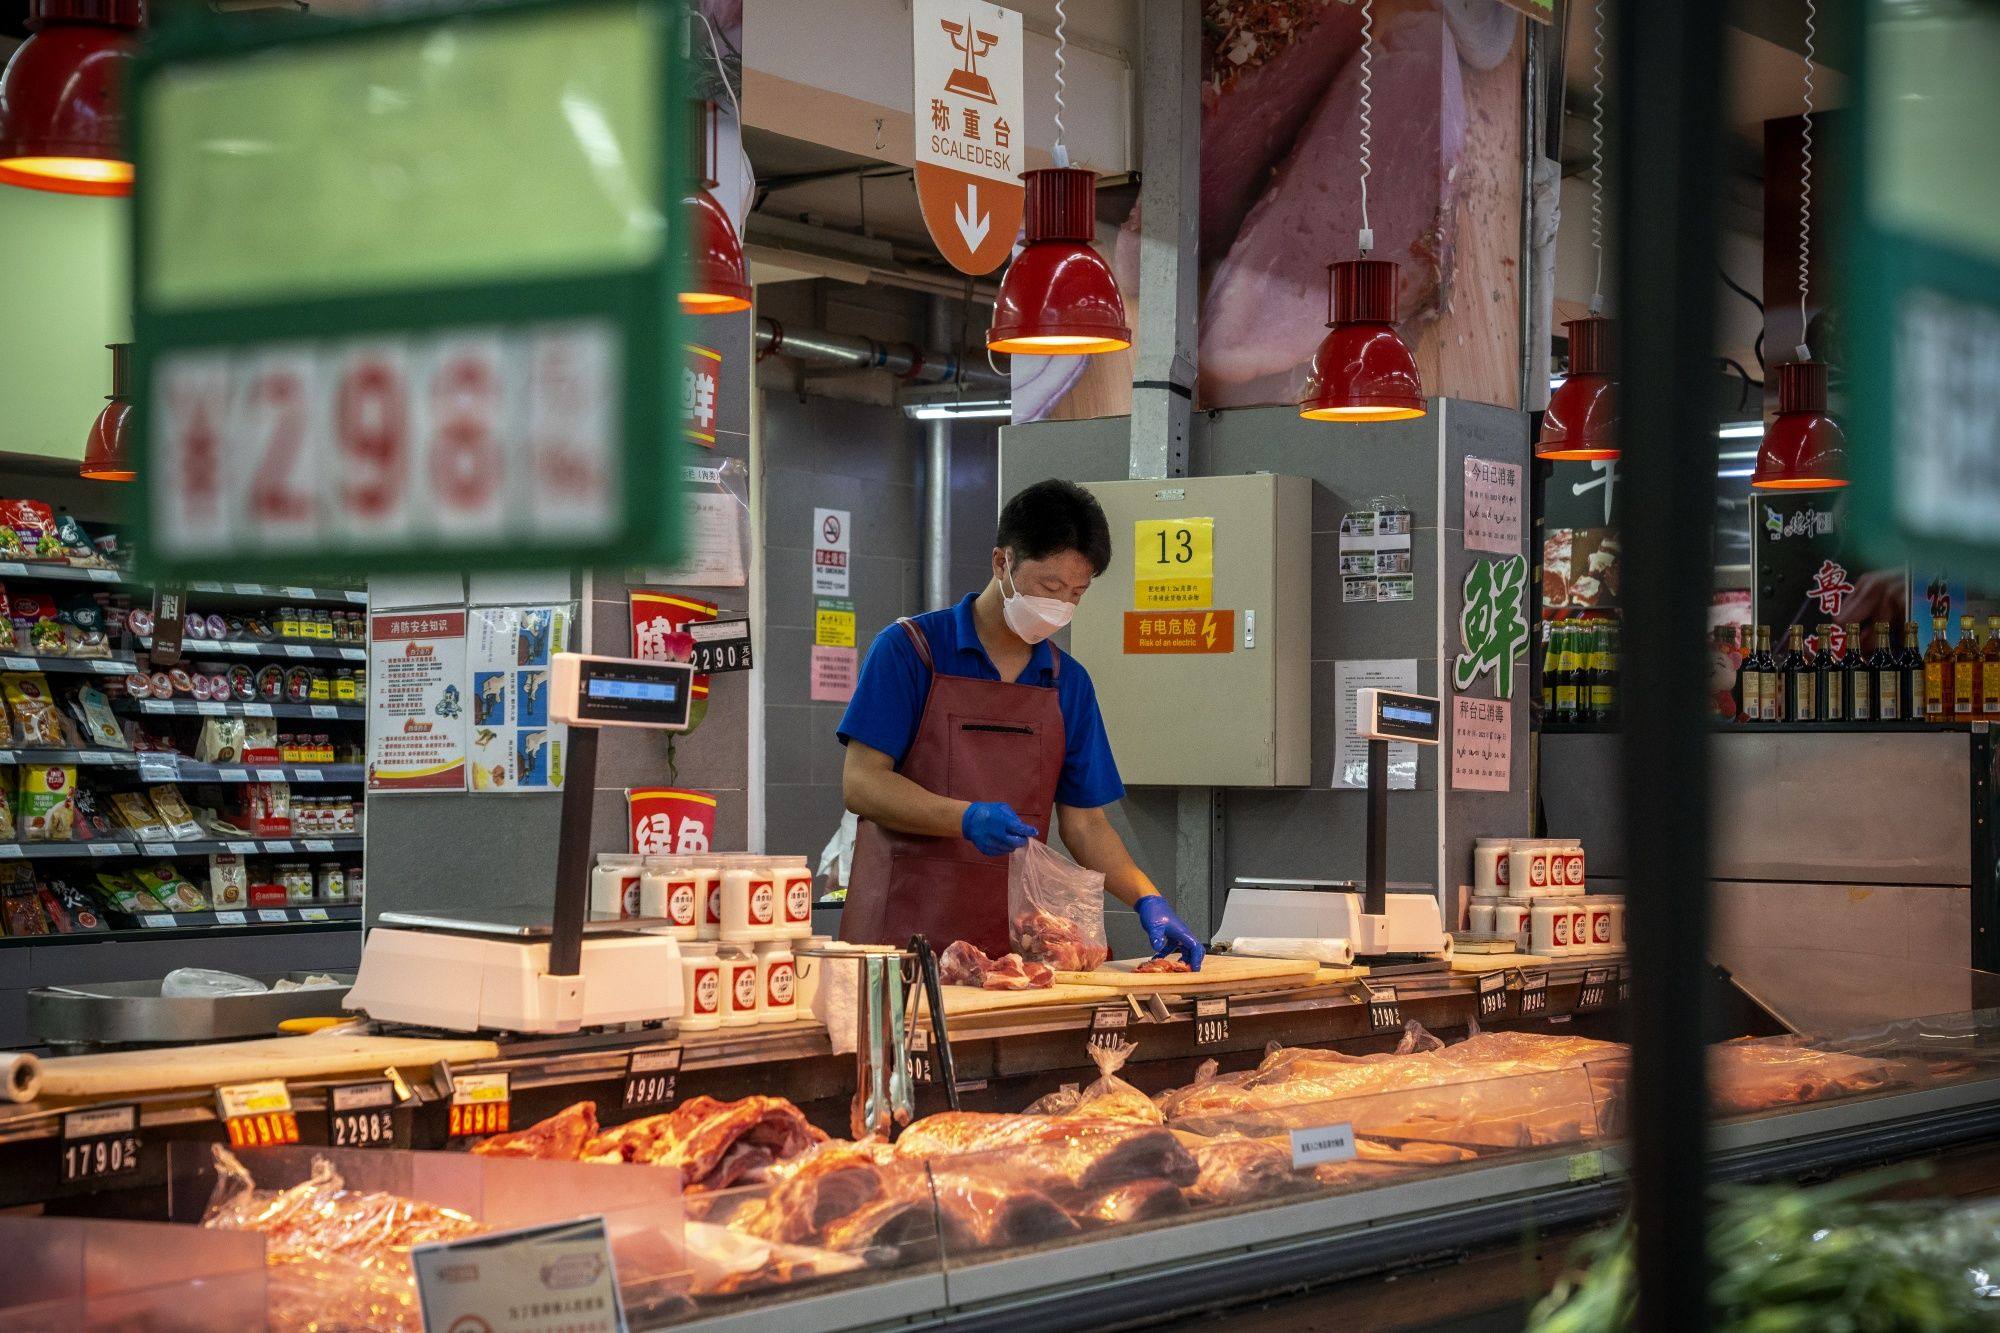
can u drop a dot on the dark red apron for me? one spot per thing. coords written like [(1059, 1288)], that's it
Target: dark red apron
[(979, 740)]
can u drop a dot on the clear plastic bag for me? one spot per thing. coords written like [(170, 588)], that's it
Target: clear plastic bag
[(204, 983), (1055, 910), (1109, 1098)]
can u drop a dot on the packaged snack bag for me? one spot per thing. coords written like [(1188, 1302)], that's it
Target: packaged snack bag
[(92, 711), (170, 888), (78, 910), (37, 724), (135, 813), (228, 881), (173, 811), (124, 895), (44, 808)]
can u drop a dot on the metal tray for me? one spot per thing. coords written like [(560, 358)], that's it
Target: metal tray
[(134, 1013)]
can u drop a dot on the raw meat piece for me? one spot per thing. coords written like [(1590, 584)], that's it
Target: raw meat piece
[(1163, 965), (900, 1223), (1134, 1201), (1070, 1153), (560, 1138), (1264, 67), (1041, 938), (1266, 306), (988, 1208), (1751, 1075), (715, 1144), (817, 1189), (963, 964), (1236, 1169)]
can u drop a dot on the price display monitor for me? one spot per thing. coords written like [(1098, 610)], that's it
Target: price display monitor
[(563, 971)]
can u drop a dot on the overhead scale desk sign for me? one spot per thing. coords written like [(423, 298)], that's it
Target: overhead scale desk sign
[(1923, 287), (404, 289), (971, 145)]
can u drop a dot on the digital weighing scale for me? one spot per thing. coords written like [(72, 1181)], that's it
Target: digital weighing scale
[(1377, 923), (514, 972)]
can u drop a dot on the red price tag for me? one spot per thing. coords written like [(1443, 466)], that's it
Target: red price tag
[(479, 1118), (264, 1130)]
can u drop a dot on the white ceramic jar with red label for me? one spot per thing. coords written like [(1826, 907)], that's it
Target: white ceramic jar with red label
[(795, 887), (777, 980), (1569, 859), (701, 984), (1481, 916), (1579, 925), (1529, 868), (614, 886), (1491, 864), (749, 902), (1549, 929), (1510, 918), (1607, 921), (741, 996)]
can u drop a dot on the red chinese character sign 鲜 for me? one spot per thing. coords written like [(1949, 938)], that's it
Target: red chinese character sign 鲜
[(671, 821), (971, 146), (659, 634)]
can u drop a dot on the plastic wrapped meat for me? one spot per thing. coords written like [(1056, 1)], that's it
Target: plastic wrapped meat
[(963, 964), (1042, 938), (1066, 1153), (1134, 1201), (715, 1144), (991, 1209), (560, 1138), (1751, 1075), (1236, 1170), (816, 1190)]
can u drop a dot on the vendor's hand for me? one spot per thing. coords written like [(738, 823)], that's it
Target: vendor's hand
[(994, 828), (1166, 933)]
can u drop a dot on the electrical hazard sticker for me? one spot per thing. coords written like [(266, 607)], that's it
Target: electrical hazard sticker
[(1180, 632)]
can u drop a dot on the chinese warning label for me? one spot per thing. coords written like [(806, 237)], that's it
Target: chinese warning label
[(1187, 632), (1482, 744), (971, 146)]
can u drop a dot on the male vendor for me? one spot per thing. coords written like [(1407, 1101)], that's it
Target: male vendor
[(968, 729)]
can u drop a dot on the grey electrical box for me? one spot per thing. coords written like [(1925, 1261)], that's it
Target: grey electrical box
[(1199, 634)]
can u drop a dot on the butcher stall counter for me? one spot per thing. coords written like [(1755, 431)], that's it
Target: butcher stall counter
[(1454, 1165)]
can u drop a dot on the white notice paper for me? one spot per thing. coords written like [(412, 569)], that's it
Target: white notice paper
[(1492, 506), (526, 1281), (1350, 761), (1482, 744), (1322, 1143), (832, 545)]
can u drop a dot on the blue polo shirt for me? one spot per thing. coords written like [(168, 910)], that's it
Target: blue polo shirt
[(889, 699)]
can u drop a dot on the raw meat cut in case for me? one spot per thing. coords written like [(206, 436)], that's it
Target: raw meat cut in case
[(1068, 1153), (816, 1190), (560, 1138), (1134, 1201), (990, 1210), (1266, 306), (1236, 1170), (963, 964), (715, 1144)]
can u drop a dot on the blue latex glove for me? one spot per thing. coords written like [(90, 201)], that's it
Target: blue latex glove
[(994, 828), (1166, 933)]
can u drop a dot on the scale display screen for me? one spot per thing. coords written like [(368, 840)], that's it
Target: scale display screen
[(620, 692), (1387, 715)]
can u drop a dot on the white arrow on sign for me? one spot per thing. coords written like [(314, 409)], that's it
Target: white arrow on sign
[(972, 224)]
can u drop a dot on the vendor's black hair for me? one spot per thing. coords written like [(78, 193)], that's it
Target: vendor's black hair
[(1054, 516)]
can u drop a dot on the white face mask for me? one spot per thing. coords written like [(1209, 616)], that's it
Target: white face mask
[(1034, 618)]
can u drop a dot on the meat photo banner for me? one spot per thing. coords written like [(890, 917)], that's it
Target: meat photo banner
[(1280, 199)]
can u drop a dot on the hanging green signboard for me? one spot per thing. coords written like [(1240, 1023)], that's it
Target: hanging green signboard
[(404, 289), (1924, 285)]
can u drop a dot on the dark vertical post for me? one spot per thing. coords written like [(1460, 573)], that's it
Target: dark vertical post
[(1376, 885), (573, 854), (1667, 141)]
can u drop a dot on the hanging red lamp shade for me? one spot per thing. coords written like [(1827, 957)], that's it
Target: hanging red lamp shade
[(1362, 370), (1804, 449), (107, 455), (1058, 297), (1582, 417), (716, 282), (62, 114)]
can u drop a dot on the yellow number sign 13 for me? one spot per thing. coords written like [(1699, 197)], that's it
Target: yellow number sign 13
[(1173, 563)]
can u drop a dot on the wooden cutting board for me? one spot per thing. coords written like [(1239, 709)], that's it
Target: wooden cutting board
[(1218, 972), (977, 1000), (1496, 962), (117, 1072)]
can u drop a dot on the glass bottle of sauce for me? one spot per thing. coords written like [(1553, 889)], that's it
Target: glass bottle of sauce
[(1937, 674)]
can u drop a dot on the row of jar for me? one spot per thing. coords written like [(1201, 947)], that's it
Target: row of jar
[(726, 985), (716, 897), (1527, 867), (1553, 927)]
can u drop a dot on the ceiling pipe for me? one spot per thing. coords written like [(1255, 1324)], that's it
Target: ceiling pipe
[(849, 351), (937, 481)]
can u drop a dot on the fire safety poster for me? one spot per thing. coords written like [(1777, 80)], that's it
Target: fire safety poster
[(416, 700), (513, 746)]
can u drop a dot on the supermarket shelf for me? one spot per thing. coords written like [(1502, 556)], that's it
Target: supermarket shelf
[(92, 758), (284, 649), (1551, 728), (282, 593), (329, 916), (104, 849), (88, 666), (58, 573), (187, 770), (232, 708)]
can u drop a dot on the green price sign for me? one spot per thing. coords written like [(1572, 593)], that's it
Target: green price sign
[(404, 289), (1924, 286)]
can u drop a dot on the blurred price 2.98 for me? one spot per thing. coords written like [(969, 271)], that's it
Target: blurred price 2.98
[(457, 438)]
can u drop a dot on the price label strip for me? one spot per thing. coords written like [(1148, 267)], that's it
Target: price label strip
[(101, 1143), (650, 1076), (361, 1115), (1493, 995), (257, 1115), (1595, 991), (923, 1063), (1107, 1026), (1211, 1020), (1385, 1009), (720, 646), (1534, 994), (479, 1104)]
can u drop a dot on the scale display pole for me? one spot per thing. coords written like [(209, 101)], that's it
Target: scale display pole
[(573, 855), (1376, 885)]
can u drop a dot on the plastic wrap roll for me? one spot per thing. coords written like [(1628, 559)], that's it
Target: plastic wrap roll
[(1334, 953), (23, 1076)]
